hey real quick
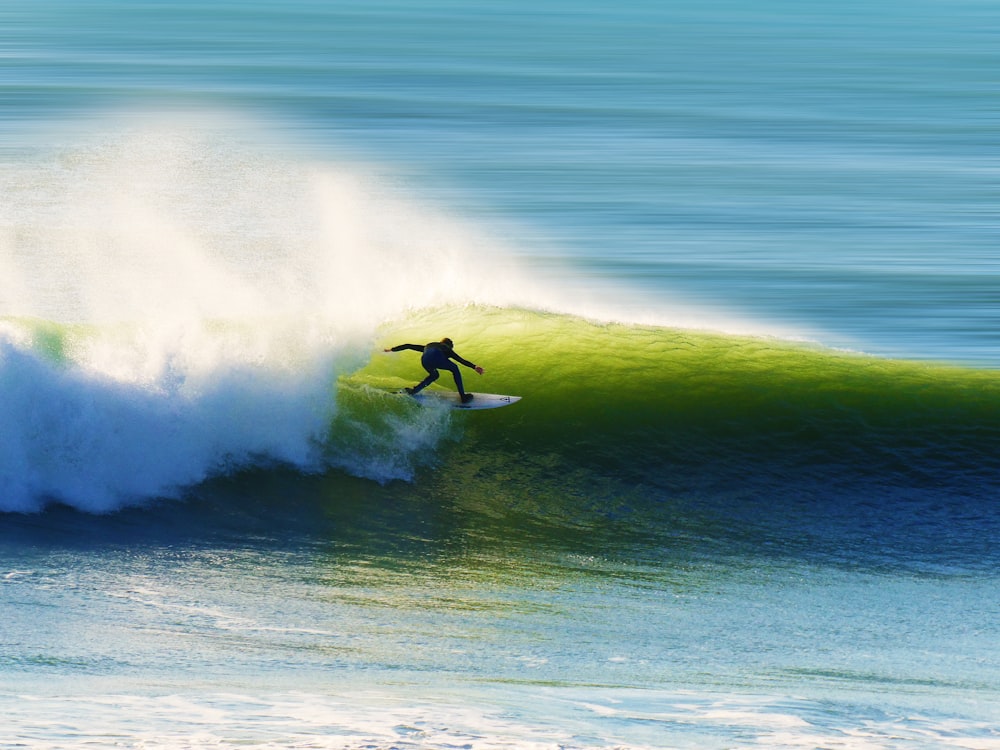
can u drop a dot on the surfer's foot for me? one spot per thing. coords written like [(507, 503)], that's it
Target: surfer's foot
[(411, 391), (466, 398)]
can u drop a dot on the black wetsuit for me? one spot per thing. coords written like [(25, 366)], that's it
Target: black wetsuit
[(437, 356)]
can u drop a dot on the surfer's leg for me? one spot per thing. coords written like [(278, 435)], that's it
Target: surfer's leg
[(458, 378), (432, 375)]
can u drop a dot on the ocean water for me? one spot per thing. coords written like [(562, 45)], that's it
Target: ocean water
[(739, 260)]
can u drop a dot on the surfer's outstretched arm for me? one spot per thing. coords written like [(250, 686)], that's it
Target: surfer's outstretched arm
[(401, 347), (461, 360), (467, 363)]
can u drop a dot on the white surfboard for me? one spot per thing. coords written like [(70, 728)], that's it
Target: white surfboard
[(450, 398)]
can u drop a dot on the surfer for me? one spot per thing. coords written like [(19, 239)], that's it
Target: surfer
[(437, 355)]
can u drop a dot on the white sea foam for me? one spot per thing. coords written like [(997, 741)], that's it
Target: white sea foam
[(398, 718)]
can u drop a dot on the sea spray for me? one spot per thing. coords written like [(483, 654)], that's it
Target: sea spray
[(190, 221), (177, 305)]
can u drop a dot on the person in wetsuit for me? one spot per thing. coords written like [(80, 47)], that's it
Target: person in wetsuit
[(437, 355)]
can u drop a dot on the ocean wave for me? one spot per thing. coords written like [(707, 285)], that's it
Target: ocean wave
[(178, 298), (100, 418), (658, 402), (179, 304)]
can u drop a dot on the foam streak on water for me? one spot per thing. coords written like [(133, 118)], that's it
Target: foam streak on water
[(354, 648), (636, 720)]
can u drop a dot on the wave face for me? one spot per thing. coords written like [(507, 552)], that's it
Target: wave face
[(662, 405), (703, 414), (665, 440)]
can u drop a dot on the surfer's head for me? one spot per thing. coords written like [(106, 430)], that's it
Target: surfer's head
[(447, 342)]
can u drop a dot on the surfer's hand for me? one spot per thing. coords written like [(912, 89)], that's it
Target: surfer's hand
[(387, 350), (479, 370)]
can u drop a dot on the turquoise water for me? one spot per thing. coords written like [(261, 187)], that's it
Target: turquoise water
[(739, 260)]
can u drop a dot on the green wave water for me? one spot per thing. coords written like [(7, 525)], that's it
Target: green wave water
[(654, 402), (688, 435)]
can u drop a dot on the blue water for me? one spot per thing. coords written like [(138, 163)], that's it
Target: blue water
[(738, 258)]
